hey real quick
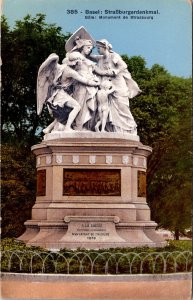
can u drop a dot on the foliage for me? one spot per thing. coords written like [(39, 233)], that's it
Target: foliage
[(17, 257), (23, 50), (18, 188), (13, 244), (185, 245), (170, 171), (163, 115)]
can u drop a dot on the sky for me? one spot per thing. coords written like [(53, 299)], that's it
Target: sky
[(163, 37)]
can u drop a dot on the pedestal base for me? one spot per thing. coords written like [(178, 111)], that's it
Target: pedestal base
[(91, 234), (91, 193)]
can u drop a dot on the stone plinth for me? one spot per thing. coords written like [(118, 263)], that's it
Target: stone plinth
[(91, 193)]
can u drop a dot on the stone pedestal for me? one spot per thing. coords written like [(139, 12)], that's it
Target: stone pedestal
[(91, 193)]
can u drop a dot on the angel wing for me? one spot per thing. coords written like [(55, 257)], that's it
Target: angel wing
[(46, 75)]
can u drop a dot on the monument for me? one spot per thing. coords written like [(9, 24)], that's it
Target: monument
[(91, 165)]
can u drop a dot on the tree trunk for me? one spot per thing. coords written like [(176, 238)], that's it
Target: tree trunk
[(177, 234)]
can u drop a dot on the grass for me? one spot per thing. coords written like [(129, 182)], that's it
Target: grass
[(183, 245)]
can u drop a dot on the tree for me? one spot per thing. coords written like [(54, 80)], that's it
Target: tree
[(137, 67), (23, 50), (170, 188), (18, 183), (163, 115)]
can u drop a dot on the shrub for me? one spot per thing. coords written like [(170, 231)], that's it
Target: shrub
[(17, 257)]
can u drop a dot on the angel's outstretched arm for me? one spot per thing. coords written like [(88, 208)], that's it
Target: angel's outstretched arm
[(74, 74)]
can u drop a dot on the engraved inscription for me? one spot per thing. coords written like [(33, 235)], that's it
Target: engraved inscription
[(41, 183), (91, 182), (91, 231), (141, 184)]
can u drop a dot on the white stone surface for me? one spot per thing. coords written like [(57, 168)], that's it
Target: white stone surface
[(90, 135), (125, 159), (48, 160), (144, 163), (109, 159), (92, 159), (38, 161), (59, 159), (135, 161), (96, 88), (75, 159)]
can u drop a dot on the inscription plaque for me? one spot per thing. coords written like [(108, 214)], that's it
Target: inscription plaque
[(41, 183), (91, 182), (141, 184), (91, 229)]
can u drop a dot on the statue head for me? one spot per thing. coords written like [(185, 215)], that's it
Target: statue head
[(104, 44), (106, 84), (83, 45), (73, 58)]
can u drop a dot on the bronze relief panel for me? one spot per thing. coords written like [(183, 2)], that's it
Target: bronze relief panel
[(91, 182), (41, 182)]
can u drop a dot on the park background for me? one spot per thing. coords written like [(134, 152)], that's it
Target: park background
[(158, 55)]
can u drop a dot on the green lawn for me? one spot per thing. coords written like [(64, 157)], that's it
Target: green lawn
[(185, 245)]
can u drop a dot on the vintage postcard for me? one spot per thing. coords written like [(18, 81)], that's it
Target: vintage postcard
[(96, 149)]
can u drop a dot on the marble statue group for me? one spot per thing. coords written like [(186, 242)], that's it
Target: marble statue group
[(87, 92)]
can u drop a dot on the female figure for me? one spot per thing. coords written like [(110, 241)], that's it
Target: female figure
[(120, 118)]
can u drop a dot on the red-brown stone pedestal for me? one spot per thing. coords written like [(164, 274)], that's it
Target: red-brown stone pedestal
[(91, 193)]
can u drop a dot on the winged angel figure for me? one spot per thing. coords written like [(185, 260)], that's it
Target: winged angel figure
[(54, 88)]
